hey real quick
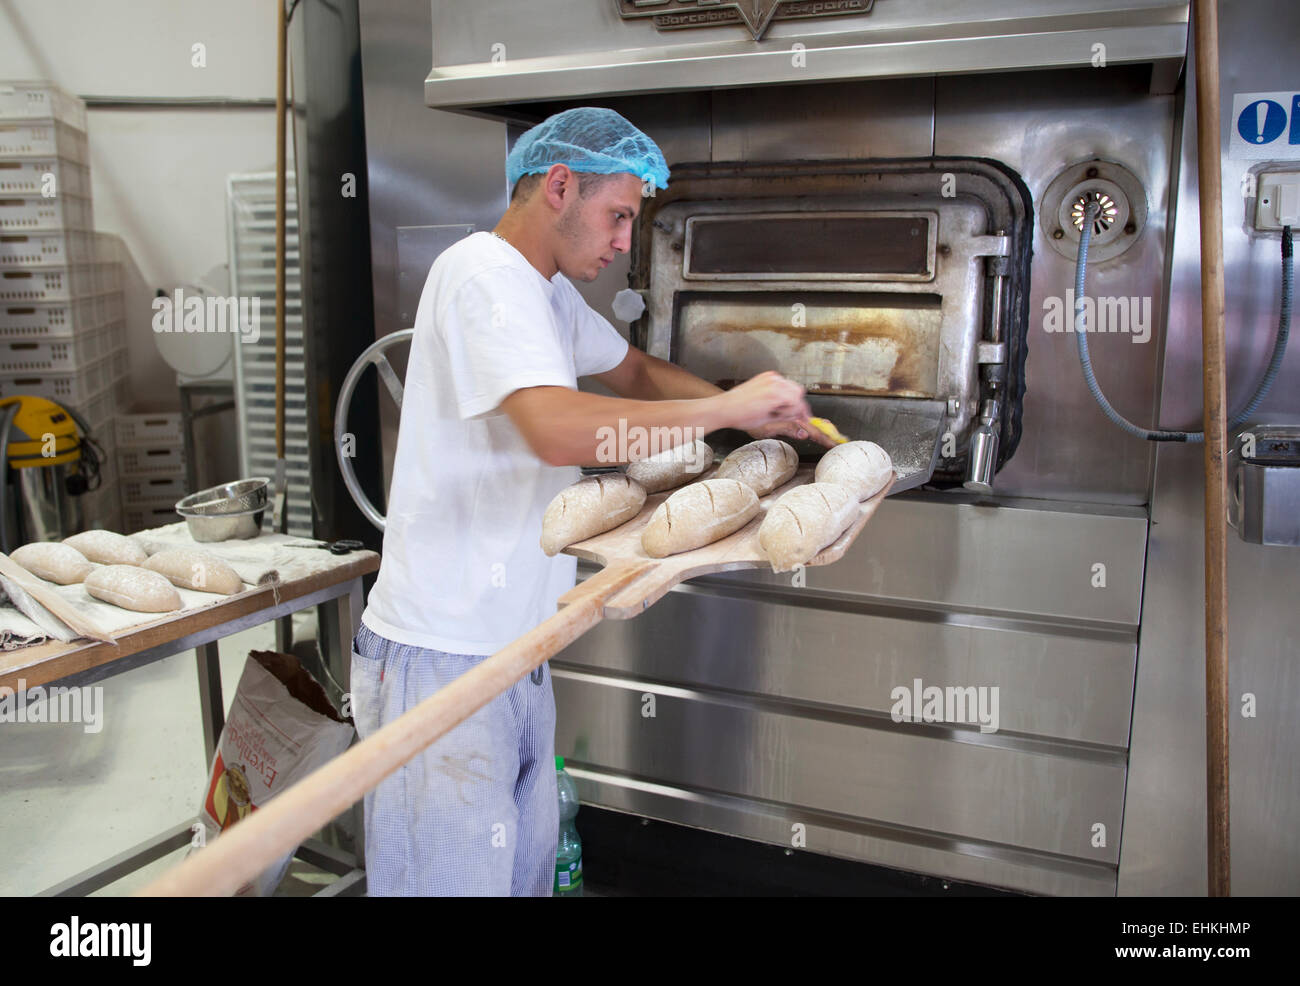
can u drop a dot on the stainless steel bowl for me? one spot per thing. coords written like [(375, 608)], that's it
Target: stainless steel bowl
[(223, 527), (229, 498)]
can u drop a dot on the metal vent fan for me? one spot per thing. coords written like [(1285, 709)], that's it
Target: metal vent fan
[(251, 236)]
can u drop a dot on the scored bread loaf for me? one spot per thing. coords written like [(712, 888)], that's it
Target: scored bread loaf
[(589, 507), (762, 465), (107, 548), (132, 587), (192, 568), (863, 467), (671, 468), (697, 515), (53, 561), (803, 521)]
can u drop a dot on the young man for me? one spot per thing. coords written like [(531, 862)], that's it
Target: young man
[(492, 428)]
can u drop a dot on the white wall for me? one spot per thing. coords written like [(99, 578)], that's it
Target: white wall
[(158, 175)]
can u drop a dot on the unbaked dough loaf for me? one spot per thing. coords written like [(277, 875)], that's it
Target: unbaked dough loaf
[(193, 568), (132, 587), (762, 465), (107, 548), (697, 515), (805, 520), (53, 561), (863, 467), (673, 467), (589, 507)]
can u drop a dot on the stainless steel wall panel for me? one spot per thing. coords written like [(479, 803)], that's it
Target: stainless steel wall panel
[(1164, 847), (425, 167)]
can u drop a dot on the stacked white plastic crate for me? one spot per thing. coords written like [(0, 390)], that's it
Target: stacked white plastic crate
[(61, 314), (151, 453)]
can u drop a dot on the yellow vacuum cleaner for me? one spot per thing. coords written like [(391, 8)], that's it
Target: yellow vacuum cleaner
[(50, 460)]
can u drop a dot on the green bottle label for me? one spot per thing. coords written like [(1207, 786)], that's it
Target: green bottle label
[(568, 876)]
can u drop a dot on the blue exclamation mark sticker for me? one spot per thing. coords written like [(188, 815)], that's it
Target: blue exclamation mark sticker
[(1295, 120), (1263, 122)]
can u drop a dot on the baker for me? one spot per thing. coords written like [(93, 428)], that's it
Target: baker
[(492, 428)]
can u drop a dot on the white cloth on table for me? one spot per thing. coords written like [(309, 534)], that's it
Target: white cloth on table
[(24, 621), (258, 561)]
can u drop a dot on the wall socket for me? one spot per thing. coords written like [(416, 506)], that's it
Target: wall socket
[(1277, 203)]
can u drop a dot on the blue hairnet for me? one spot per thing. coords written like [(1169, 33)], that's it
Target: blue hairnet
[(591, 139)]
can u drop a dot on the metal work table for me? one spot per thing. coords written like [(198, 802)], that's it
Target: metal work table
[(337, 588)]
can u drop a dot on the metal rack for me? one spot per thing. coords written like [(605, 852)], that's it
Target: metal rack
[(251, 236)]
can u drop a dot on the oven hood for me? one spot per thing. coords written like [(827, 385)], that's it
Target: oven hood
[(492, 57)]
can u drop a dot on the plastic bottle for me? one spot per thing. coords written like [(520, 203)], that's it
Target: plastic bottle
[(568, 851)]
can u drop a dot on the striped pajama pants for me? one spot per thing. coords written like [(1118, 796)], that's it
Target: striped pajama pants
[(475, 813)]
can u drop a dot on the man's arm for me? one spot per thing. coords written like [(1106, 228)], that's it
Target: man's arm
[(572, 428), (644, 377), (648, 378)]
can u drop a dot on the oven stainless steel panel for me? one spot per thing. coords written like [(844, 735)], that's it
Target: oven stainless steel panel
[(833, 835), (1017, 558), (721, 743), (1059, 683), (566, 49), (769, 681), (862, 120), (1068, 448)]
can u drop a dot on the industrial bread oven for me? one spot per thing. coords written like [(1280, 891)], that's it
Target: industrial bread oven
[(893, 291), (880, 201)]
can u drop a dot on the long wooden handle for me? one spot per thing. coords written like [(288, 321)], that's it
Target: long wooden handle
[(262, 838), (1206, 36)]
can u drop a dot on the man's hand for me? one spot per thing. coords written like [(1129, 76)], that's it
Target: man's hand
[(768, 405), (764, 400), (791, 429)]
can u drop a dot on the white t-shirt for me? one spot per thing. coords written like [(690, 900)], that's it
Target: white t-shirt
[(462, 569)]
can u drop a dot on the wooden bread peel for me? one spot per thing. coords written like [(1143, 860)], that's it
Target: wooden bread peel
[(620, 550), (630, 582)]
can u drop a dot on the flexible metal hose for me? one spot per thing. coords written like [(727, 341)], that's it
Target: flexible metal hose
[(1081, 336)]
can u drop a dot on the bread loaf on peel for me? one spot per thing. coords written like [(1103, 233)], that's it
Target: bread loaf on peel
[(671, 468), (131, 587), (53, 562), (697, 515), (762, 465), (107, 548), (863, 467), (805, 520), (589, 507)]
